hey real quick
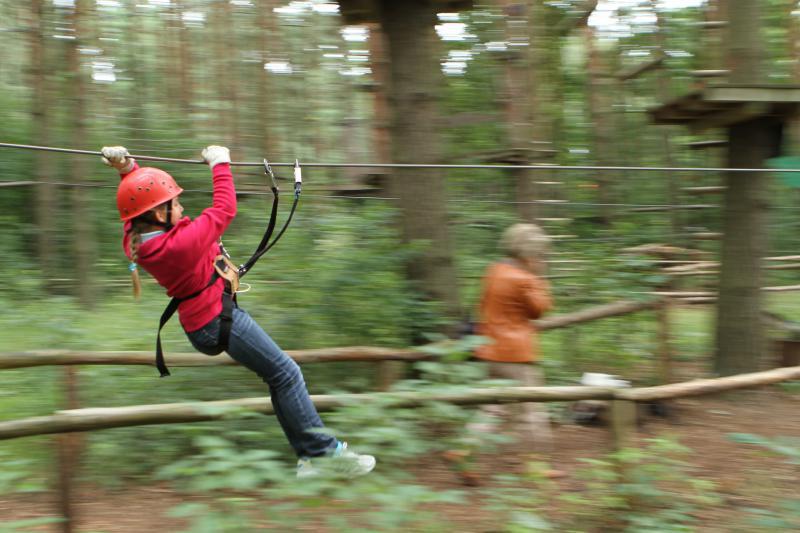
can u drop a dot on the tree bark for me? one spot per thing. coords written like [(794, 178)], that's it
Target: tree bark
[(266, 100), (45, 190), (794, 57), (84, 247), (183, 61), (518, 102), (545, 61), (226, 82), (600, 115), (381, 134), (415, 78), (744, 40), (662, 90), (739, 331)]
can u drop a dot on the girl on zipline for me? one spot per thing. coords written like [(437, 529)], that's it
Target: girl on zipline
[(180, 254)]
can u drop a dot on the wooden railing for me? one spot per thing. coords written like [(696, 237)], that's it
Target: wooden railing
[(622, 401), (90, 419)]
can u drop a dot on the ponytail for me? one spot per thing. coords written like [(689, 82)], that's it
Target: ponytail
[(138, 225), (135, 239)]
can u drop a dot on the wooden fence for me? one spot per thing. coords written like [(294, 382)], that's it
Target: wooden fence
[(623, 401), (90, 419)]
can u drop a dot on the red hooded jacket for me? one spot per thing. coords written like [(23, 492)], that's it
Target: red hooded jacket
[(181, 260)]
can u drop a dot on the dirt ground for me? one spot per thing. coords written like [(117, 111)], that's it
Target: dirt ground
[(745, 476)]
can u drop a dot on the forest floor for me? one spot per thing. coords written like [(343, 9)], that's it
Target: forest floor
[(745, 476)]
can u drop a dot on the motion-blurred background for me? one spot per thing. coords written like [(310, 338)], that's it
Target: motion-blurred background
[(392, 256)]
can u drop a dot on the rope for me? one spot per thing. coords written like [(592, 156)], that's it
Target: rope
[(412, 165)]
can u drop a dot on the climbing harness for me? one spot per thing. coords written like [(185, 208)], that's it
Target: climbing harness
[(225, 269)]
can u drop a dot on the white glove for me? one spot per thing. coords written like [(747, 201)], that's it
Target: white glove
[(118, 157), (214, 155)]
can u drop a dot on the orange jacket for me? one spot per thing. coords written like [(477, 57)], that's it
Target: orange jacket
[(511, 298)]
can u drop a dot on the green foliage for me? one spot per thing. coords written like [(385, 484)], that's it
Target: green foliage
[(28, 524), (388, 499), (784, 446), (785, 514), (636, 490), (16, 475)]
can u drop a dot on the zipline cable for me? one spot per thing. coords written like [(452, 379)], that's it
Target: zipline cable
[(415, 165)]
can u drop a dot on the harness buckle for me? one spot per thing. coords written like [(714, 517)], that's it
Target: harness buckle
[(227, 271)]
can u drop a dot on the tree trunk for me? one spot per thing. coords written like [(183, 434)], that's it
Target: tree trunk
[(226, 80), (545, 61), (662, 90), (183, 62), (45, 190), (83, 234), (599, 113), (381, 135), (414, 91), (739, 331), (744, 42), (740, 339), (517, 99), (266, 100), (134, 59), (794, 57)]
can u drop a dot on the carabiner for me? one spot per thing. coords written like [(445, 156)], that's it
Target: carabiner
[(268, 172)]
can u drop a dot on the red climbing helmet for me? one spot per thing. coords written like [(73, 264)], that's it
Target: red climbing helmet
[(143, 189)]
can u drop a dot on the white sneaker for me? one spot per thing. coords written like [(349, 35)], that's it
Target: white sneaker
[(305, 469), (342, 461)]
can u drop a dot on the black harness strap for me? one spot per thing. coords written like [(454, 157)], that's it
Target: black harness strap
[(172, 306), (165, 316), (264, 246), (273, 217), (229, 294)]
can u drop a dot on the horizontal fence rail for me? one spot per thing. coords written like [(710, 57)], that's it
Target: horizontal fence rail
[(91, 419), (324, 355), (26, 359)]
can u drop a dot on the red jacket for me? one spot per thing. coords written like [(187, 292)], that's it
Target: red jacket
[(181, 260), (511, 298)]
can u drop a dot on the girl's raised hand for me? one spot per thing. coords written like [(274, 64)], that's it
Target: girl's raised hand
[(118, 157), (214, 155)]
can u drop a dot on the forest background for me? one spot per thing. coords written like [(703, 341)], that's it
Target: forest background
[(553, 82)]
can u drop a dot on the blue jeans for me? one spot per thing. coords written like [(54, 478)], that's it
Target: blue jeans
[(252, 347)]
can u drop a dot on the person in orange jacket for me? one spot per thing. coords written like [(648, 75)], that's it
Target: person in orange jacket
[(514, 293)]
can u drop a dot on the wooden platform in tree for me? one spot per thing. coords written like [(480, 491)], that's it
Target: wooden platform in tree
[(363, 11), (371, 184), (516, 156), (718, 106)]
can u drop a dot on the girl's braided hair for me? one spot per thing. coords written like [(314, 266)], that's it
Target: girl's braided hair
[(138, 225)]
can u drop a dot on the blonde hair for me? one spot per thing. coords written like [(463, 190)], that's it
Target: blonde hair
[(522, 241)]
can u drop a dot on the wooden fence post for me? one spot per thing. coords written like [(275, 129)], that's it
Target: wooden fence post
[(623, 424), (663, 342), (387, 373), (67, 453)]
